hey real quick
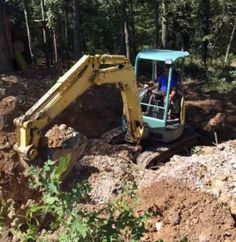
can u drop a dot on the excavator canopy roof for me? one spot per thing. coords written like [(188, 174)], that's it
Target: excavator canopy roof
[(161, 55)]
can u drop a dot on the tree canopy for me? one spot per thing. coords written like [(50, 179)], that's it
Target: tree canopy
[(66, 29)]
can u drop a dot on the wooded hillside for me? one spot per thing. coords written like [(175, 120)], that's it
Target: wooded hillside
[(60, 30)]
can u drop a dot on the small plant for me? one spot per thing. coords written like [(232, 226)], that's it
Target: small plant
[(62, 214), (196, 150)]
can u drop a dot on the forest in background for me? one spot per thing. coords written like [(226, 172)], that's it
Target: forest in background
[(62, 30)]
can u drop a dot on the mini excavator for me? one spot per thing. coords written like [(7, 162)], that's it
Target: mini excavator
[(144, 119)]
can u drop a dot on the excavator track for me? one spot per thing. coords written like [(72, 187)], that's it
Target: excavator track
[(156, 156), (156, 153)]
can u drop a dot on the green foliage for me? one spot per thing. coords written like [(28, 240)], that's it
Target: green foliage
[(62, 214), (220, 80), (2, 210), (102, 27)]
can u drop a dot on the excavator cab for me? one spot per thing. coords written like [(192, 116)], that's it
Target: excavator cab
[(163, 118)]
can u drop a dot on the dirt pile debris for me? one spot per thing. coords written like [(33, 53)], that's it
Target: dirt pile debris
[(212, 171), (61, 136), (9, 109), (61, 141), (179, 214)]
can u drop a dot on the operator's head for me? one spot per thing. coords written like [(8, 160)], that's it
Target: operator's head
[(166, 69)]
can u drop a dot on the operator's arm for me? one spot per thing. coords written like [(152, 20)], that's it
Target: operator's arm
[(172, 93), (155, 85), (174, 85)]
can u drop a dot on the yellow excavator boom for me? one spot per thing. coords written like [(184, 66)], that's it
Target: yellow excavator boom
[(88, 71)]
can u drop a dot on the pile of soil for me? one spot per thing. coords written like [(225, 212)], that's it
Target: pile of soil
[(179, 214), (212, 171), (8, 111), (60, 135), (108, 168)]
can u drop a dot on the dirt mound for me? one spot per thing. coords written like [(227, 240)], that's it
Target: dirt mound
[(13, 185), (107, 168), (211, 170), (7, 155), (181, 214), (8, 111), (58, 135)]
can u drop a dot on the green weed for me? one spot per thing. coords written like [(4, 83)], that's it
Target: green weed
[(62, 215)]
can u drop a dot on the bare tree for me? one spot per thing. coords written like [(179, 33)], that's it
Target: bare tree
[(5, 58), (44, 29), (157, 25), (26, 14), (204, 15), (126, 31), (55, 45), (163, 24), (132, 29), (230, 42), (124, 45), (77, 30)]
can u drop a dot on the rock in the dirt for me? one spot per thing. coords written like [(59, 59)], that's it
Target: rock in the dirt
[(216, 122)]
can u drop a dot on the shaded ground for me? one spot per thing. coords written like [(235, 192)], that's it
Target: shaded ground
[(201, 107), (180, 208)]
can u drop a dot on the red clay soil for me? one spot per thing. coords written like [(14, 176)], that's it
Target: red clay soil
[(13, 184), (8, 111), (92, 114), (179, 213)]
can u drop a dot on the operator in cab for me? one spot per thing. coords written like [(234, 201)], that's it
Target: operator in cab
[(160, 85)]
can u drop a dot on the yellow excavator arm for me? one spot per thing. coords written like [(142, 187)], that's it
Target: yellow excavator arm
[(88, 71)]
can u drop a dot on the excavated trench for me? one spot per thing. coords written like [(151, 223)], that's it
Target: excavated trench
[(189, 197)]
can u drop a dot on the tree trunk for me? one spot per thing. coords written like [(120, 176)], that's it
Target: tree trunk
[(45, 41), (127, 47), (163, 25), (126, 29), (26, 11), (204, 10), (77, 30), (5, 58), (55, 46), (66, 30), (132, 38), (185, 40), (157, 26), (230, 42), (122, 48)]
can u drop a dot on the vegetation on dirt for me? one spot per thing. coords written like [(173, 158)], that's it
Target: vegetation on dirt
[(64, 216), (221, 80)]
